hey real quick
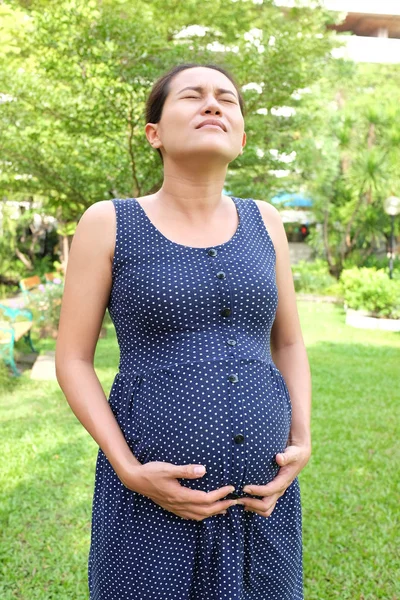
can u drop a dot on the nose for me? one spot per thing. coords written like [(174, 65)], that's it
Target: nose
[(209, 111), (212, 106)]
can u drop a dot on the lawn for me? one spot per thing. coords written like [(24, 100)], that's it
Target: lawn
[(350, 488)]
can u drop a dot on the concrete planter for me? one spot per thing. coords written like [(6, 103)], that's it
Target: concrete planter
[(362, 320)]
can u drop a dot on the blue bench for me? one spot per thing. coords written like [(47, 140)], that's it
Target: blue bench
[(13, 329)]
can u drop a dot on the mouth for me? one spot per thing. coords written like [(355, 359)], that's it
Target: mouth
[(212, 123), (212, 127)]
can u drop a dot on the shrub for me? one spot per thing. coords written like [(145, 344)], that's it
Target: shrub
[(373, 261), (371, 290), (314, 278), (45, 303)]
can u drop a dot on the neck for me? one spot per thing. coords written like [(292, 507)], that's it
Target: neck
[(191, 190)]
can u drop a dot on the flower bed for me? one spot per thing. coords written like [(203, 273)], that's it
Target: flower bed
[(371, 299)]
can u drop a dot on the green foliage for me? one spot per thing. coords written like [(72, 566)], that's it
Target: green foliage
[(8, 243), (42, 265), (349, 157), (26, 247), (314, 278), (77, 75), (371, 290), (45, 303), (382, 262)]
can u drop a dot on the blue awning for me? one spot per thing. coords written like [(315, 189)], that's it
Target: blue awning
[(294, 200)]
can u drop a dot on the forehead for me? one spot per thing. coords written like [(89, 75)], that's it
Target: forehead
[(201, 76)]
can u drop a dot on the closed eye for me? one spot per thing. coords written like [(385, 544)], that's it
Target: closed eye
[(197, 98)]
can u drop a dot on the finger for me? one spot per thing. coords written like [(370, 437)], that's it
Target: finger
[(186, 471), (219, 493), (277, 486), (262, 504), (201, 511), (219, 510), (263, 513), (254, 504), (189, 496), (216, 507)]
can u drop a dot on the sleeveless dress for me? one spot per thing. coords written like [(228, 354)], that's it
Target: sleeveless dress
[(196, 384)]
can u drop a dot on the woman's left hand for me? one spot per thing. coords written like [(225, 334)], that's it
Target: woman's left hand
[(291, 462)]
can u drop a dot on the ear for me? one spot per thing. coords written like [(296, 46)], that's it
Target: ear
[(243, 142), (151, 131)]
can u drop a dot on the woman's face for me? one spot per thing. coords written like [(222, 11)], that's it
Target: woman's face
[(178, 134)]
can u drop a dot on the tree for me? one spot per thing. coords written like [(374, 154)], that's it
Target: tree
[(76, 76), (349, 158)]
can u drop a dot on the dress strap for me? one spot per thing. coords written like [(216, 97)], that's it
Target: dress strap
[(127, 232), (253, 223)]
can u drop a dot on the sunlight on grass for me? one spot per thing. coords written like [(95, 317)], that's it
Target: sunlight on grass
[(350, 487)]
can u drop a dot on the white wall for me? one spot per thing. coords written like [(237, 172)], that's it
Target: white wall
[(373, 7), (369, 49)]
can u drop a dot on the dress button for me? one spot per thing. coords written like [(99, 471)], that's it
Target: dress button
[(233, 496), (239, 438), (231, 342), (221, 275), (225, 312), (212, 252), (233, 377)]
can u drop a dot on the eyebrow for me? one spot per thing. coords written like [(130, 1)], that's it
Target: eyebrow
[(199, 88)]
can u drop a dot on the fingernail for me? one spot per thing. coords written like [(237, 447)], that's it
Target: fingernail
[(247, 490), (199, 470)]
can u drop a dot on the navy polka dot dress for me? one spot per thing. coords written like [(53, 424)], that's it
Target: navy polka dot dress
[(196, 385)]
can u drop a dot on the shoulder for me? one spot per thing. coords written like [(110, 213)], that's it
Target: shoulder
[(268, 211), (98, 212), (97, 226), (273, 223)]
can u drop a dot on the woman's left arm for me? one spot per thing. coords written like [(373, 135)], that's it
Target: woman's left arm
[(290, 356)]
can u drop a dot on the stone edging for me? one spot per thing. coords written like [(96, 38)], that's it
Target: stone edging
[(317, 298), (356, 318)]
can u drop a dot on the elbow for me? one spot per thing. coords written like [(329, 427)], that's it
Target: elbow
[(67, 366)]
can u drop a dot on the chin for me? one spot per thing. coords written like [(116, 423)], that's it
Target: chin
[(205, 153)]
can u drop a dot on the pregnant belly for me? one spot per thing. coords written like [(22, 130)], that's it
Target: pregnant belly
[(233, 418)]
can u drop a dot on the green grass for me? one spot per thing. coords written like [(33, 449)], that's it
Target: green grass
[(351, 485), (350, 488)]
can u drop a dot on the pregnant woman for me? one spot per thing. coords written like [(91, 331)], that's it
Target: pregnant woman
[(207, 424)]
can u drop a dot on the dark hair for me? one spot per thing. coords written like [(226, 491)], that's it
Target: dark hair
[(160, 90)]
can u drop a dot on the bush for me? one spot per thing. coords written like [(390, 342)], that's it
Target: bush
[(373, 261), (314, 278), (371, 290), (45, 303)]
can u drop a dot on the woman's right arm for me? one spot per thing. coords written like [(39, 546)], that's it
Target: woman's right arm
[(86, 293)]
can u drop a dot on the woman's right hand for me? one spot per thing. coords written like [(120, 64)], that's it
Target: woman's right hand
[(159, 481)]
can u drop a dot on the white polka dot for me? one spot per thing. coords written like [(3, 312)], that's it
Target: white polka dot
[(196, 384)]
